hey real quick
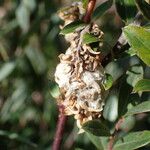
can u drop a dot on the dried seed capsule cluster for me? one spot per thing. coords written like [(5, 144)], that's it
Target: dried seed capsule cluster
[(80, 77)]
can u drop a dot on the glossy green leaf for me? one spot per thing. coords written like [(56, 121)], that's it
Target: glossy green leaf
[(139, 38), (6, 70), (140, 108), (101, 9), (118, 67), (89, 38), (133, 141), (126, 9), (72, 27), (110, 112), (108, 82), (144, 7), (142, 85), (96, 127), (134, 74)]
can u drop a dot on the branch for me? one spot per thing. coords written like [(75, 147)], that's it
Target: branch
[(59, 129), (89, 11)]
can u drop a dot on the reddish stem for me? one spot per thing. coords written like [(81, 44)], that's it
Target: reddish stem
[(59, 129), (89, 11)]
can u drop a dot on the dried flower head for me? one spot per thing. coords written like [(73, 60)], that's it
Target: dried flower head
[(80, 77)]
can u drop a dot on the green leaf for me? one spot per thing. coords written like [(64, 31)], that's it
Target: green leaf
[(15, 136), (139, 38), (89, 38), (144, 7), (108, 82), (96, 127), (23, 17), (134, 74), (30, 5), (96, 141), (37, 59), (126, 9), (118, 67), (110, 112), (15, 102), (133, 141), (6, 70), (100, 10), (85, 2), (72, 27), (124, 94), (142, 85), (140, 108)]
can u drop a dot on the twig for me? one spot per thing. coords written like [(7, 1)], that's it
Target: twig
[(114, 135), (59, 129), (89, 11), (111, 142)]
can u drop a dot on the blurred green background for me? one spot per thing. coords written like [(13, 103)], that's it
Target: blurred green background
[(29, 46)]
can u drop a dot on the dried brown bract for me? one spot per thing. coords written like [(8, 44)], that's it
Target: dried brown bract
[(80, 77)]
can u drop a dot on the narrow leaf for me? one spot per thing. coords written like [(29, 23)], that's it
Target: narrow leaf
[(36, 58), (89, 38), (142, 85), (6, 70), (96, 127), (133, 141), (139, 38), (143, 107), (100, 10), (72, 27), (108, 82), (144, 7)]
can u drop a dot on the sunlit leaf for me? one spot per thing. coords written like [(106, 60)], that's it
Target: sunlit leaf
[(142, 85), (89, 38), (108, 82), (72, 27), (133, 140), (139, 38), (140, 108), (85, 2)]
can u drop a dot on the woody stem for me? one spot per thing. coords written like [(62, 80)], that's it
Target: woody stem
[(89, 11), (59, 129)]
